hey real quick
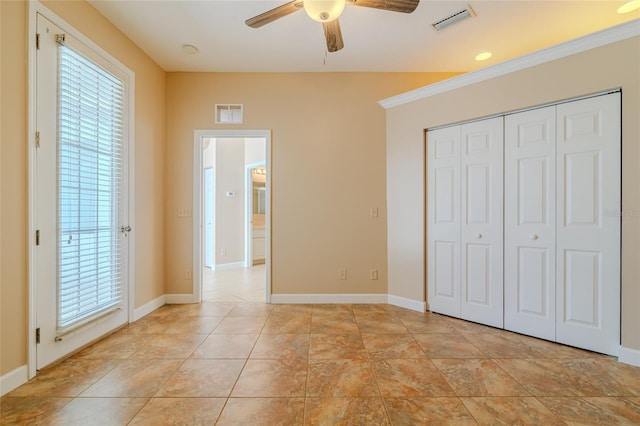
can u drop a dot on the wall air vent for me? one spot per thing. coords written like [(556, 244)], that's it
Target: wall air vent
[(454, 18)]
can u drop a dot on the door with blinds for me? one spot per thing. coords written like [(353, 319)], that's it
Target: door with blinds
[(81, 194)]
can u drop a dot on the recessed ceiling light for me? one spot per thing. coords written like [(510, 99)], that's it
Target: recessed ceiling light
[(629, 6), (483, 56), (189, 49)]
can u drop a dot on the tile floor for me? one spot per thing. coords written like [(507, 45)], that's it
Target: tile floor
[(245, 363), (248, 363)]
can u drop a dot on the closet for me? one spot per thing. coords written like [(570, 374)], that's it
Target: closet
[(523, 222)]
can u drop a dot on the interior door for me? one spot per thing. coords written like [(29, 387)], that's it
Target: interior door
[(530, 222), (588, 223), (443, 230), (81, 195), (482, 221), (209, 240)]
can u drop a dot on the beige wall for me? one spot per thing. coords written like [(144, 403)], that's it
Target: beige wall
[(607, 67), (328, 169), (148, 224)]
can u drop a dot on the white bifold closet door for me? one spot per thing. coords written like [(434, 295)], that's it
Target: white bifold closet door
[(562, 224), (588, 223), (481, 182), (443, 214), (530, 223), (465, 228)]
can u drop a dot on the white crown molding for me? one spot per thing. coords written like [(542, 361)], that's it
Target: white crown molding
[(607, 36)]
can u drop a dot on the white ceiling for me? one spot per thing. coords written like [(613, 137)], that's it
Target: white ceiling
[(374, 40)]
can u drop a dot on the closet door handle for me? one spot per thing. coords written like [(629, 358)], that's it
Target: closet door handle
[(478, 235), (533, 236)]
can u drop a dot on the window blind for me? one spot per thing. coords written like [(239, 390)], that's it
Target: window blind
[(90, 160)]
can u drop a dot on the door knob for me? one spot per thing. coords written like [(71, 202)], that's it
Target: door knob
[(478, 235), (533, 236)]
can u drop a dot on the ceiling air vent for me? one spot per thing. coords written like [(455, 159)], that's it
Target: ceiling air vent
[(454, 18)]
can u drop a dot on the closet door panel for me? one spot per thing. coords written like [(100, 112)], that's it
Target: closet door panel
[(443, 220), (588, 225), (482, 225), (530, 186)]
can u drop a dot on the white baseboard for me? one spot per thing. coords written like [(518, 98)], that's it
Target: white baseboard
[(235, 265), (148, 307), (13, 379), (403, 302), (629, 356), (178, 299), (328, 298)]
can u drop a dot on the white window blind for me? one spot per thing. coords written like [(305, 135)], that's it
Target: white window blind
[(90, 160)]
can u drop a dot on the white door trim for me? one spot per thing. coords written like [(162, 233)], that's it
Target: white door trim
[(198, 136), (34, 8)]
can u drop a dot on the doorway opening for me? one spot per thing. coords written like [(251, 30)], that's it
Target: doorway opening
[(232, 216)]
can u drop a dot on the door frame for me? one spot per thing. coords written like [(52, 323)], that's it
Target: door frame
[(35, 8), (198, 225), (248, 209)]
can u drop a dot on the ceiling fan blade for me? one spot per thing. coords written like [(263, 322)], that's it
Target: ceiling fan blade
[(333, 35), (404, 6), (273, 14)]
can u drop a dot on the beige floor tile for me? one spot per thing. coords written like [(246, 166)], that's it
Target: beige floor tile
[(545, 377), (345, 411), (170, 346), (511, 411), (97, 411), (179, 412), (281, 346), (336, 346), (595, 410), (341, 378), (203, 378), (29, 411), (506, 345), (612, 377), (392, 346), (249, 309), (428, 411), (120, 345), (447, 346), (263, 412), (226, 346), (211, 309), (67, 379), (333, 324), (426, 324), (333, 309), (134, 378), (380, 325), (410, 378), (478, 377), (468, 327), (287, 323), (151, 324), (241, 325), (271, 378)]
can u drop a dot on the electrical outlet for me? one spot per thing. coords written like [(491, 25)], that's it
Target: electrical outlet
[(223, 252), (342, 273), (187, 274), (373, 274), (374, 212)]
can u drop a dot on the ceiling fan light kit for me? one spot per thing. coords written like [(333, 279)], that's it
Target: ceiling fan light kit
[(327, 13), (324, 10)]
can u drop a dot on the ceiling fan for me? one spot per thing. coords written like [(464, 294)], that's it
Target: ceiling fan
[(327, 13)]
